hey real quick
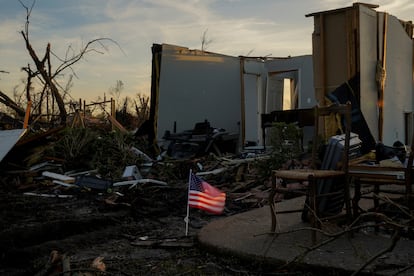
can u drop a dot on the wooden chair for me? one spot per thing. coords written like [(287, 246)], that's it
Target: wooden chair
[(318, 178)]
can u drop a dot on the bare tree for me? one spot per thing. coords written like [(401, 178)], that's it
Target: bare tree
[(142, 108), (44, 65), (116, 91), (205, 41)]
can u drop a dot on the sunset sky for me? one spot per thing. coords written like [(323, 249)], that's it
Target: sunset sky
[(276, 28)]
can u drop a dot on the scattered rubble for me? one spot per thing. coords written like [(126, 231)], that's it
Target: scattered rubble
[(64, 209), (87, 201)]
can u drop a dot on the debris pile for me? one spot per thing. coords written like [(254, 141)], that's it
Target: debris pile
[(69, 190)]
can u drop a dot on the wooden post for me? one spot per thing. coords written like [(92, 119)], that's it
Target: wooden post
[(47, 107), (27, 115), (321, 99), (113, 111), (382, 84), (243, 106)]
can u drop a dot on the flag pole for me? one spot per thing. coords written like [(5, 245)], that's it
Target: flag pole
[(187, 218)]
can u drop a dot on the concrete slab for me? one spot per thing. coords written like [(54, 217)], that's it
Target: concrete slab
[(247, 236)]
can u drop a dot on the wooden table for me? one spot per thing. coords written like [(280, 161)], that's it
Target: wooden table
[(370, 173)]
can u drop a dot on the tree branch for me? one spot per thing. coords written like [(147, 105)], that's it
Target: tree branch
[(383, 220), (10, 103), (46, 77), (69, 62), (395, 238)]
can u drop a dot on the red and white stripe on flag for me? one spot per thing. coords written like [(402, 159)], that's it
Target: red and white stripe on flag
[(204, 196)]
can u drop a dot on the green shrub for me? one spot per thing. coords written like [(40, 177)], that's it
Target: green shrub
[(285, 142)]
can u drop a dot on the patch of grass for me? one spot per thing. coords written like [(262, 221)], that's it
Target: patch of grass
[(86, 149)]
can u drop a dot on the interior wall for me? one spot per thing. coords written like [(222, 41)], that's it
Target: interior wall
[(254, 98), (398, 93), (274, 93), (302, 66), (195, 86), (264, 84), (252, 90)]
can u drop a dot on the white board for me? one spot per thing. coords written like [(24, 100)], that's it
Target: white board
[(9, 138)]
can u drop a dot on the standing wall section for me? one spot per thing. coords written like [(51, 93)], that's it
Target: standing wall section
[(195, 86)]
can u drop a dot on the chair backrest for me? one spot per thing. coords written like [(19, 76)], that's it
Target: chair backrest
[(321, 113)]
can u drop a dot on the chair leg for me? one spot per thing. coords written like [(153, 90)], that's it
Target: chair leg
[(347, 198), (272, 204), (357, 197), (313, 208), (376, 194), (305, 211)]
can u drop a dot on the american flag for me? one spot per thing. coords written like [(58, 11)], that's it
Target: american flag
[(204, 196)]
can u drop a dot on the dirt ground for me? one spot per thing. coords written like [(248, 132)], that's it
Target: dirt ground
[(141, 232)]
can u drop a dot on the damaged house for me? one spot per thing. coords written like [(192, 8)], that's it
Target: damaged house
[(230, 93), (370, 54), (366, 52)]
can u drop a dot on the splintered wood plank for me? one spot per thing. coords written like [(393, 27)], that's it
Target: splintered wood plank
[(61, 177)]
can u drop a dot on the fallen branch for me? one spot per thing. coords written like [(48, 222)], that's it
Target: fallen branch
[(331, 237), (353, 227), (400, 207), (395, 238), (404, 269)]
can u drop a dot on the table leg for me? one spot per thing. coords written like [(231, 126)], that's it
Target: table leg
[(313, 207), (356, 198)]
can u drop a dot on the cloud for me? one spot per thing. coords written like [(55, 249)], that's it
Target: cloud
[(236, 27), (9, 32)]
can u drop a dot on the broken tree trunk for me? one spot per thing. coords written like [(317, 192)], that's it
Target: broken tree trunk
[(40, 65)]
